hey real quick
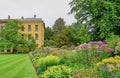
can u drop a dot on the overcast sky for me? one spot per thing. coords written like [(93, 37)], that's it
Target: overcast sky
[(48, 10)]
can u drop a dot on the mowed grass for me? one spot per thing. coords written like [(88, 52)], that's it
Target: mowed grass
[(16, 66)]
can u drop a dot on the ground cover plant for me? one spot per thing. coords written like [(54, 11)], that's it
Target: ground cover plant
[(16, 66)]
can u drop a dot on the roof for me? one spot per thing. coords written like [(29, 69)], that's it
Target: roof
[(23, 20)]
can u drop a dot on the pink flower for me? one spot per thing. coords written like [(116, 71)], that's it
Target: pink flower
[(72, 47), (110, 50), (93, 43), (104, 42), (100, 43), (102, 47), (84, 46)]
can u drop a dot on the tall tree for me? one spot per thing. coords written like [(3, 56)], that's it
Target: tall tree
[(11, 35), (64, 38), (59, 25), (104, 15), (80, 34), (48, 33)]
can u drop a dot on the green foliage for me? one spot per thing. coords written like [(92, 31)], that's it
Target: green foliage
[(48, 33), (104, 74), (5, 44), (64, 47), (58, 72), (50, 43), (45, 62), (58, 26), (79, 34), (112, 40), (103, 16), (83, 57), (103, 55), (83, 35), (63, 38)]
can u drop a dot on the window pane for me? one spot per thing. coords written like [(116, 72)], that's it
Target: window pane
[(36, 36), (29, 27), (29, 36), (36, 27)]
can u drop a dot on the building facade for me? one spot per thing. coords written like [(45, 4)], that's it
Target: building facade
[(32, 26)]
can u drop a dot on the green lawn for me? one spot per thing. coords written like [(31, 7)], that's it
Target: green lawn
[(16, 66)]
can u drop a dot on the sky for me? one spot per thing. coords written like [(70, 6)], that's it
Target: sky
[(48, 10)]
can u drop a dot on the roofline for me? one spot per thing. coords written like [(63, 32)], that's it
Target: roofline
[(23, 20)]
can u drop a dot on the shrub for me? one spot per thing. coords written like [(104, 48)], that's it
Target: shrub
[(50, 43), (112, 41), (60, 71), (85, 57), (64, 47), (44, 62), (71, 58), (109, 67)]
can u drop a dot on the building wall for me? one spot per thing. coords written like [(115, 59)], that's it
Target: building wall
[(40, 31)]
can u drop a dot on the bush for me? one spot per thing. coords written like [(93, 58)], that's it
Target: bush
[(109, 68), (50, 43), (58, 72), (44, 62), (112, 41), (71, 58), (83, 57), (64, 47)]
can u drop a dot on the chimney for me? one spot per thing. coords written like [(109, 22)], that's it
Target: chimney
[(34, 16), (8, 16), (22, 17)]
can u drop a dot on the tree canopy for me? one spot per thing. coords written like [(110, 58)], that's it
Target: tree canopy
[(103, 15), (58, 25)]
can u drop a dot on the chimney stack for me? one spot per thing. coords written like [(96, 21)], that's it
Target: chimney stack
[(34, 16), (8, 16), (22, 17)]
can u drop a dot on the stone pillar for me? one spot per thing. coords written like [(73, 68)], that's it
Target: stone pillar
[(5, 51), (11, 50)]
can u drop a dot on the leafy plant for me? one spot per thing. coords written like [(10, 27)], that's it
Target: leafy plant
[(45, 62), (60, 71)]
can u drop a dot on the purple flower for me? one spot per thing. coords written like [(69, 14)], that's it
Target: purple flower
[(110, 50), (93, 43), (104, 42), (100, 43), (102, 47), (72, 47), (84, 46)]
